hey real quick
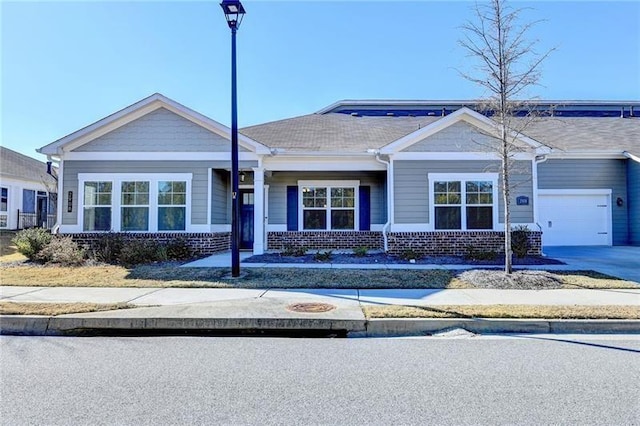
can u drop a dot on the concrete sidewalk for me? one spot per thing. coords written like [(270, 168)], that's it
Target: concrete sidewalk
[(182, 310)]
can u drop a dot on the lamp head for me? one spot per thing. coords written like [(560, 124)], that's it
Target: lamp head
[(233, 12)]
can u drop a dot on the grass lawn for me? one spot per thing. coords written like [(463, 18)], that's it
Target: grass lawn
[(504, 311), (174, 276), (24, 308)]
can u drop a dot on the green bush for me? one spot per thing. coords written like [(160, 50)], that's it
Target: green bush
[(360, 251), (137, 251), (323, 256), (107, 248), (410, 254), (178, 249), (520, 240), (31, 241), (473, 253), (62, 251), (295, 251)]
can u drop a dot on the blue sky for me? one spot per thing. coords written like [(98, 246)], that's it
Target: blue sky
[(68, 64)]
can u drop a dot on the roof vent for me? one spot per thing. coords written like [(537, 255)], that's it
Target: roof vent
[(390, 114), (355, 114)]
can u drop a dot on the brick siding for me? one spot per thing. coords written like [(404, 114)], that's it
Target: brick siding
[(455, 243), (202, 244), (325, 240)]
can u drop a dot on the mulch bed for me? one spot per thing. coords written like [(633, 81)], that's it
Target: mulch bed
[(386, 258)]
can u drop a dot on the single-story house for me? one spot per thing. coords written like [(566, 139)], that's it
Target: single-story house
[(380, 174), (27, 192)]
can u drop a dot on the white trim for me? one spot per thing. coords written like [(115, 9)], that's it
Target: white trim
[(158, 156), (631, 156), (258, 210), (464, 177), (458, 156), (468, 115), (137, 110), (220, 228), (580, 155), (355, 184), (209, 193), (574, 191), (153, 178), (378, 227)]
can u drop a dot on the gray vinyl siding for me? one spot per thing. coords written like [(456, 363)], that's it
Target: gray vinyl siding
[(633, 179), (159, 131), (411, 187), (459, 137), (220, 207), (279, 181), (591, 174)]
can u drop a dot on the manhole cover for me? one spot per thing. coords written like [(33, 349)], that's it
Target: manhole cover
[(310, 307)]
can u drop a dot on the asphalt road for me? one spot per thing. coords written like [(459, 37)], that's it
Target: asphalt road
[(205, 380)]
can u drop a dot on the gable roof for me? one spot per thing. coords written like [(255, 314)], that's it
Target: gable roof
[(19, 166), (465, 114), (137, 110)]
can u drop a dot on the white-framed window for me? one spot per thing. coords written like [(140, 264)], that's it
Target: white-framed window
[(4, 207), (134, 199), (328, 205), (135, 202), (97, 205), (463, 201)]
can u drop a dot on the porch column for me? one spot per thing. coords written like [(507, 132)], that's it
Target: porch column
[(258, 210)]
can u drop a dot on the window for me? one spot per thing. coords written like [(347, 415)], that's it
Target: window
[(97, 206), (172, 205), (4, 199), (461, 203), (134, 215), (328, 207)]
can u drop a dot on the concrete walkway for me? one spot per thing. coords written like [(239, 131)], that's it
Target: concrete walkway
[(416, 297)]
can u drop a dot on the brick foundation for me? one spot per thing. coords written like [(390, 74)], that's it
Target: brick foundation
[(456, 243), (335, 240), (202, 244)]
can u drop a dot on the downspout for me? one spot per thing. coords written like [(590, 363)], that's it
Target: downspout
[(385, 228), (56, 226), (537, 160)]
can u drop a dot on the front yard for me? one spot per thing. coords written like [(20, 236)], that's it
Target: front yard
[(171, 275)]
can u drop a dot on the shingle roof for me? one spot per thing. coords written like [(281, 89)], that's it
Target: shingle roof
[(334, 132), (19, 166), (338, 132)]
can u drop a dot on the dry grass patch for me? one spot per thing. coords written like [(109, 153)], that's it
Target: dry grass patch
[(52, 309), (593, 280), (505, 311)]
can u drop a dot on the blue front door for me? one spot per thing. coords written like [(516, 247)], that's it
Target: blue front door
[(246, 219)]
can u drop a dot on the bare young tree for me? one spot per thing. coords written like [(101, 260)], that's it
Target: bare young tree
[(507, 66)]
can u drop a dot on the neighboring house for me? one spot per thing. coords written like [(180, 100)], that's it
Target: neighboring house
[(27, 192), (379, 174)]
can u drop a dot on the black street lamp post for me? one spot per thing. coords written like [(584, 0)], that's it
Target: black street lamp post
[(233, 12)]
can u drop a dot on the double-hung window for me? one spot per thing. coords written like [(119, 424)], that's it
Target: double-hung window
[(172, 205), (329, 206), (97, 206), (464, 202), (134, 215), (4, 207)]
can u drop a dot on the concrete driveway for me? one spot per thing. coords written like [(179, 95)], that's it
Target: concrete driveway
[(619, 261)]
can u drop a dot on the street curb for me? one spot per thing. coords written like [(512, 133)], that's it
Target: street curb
[(34, 325), (420, 326)]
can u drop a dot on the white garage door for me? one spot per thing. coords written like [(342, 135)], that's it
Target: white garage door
[(575, 219)]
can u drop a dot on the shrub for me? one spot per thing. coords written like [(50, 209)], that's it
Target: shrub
[(295, 251), (31, 241), (410, 254), (136, 251), (323, 256), (360, 251), (520, 240), (178, 249), (62, 251), (107, 248), (473, 253)]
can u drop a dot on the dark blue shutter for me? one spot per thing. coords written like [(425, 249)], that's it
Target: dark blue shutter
[(365, 208), (292, 208)]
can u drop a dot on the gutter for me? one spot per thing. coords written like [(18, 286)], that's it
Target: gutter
[(631, 156), (385, 228)]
